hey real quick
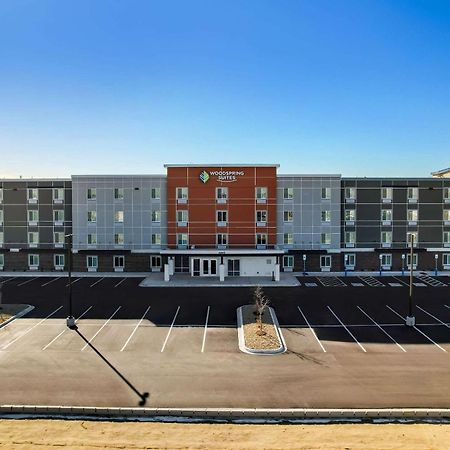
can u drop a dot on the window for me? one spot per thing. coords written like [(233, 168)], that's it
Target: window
[(288, 261), (119, 262), (446, 193), (261, 216), (1, 195), (33, 238), (1, 216), (118, 239), (222, 193), (288, 193), (33, 194), (413, 193), (261, 239), (118, 193), (155, 261), (326, 193), (182, 239), (92, 238), (350, 215), (412, 215), (386, 194), (92, 193), (325, 262), (326, 216), (92, 216), (234, 267), (446, 215), (58, 215), (33, 260), (156, 239), (156, 215), (350, 237), (33, 215), (58, 261), (386, 259), (415, 260), (446, 259), (118, 217), (58, 237), (156, 193), (288, 216), (350, 260), (182, 193), (1, 238), (58, 194), (222, 239), (410, 235), (92, 261), (288, 238), (350, 193), (182, 216), (386, 215), (261, 193), (222, 217), (2, 260), (325, 238), (386, 237), (446, 237)]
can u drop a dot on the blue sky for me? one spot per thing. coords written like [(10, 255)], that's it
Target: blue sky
[(356, 87)]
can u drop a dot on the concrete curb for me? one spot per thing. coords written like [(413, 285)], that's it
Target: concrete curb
[(243, 348), (230, 413), (18, 315)]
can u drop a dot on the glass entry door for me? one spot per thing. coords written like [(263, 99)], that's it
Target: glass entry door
[(209, 267)]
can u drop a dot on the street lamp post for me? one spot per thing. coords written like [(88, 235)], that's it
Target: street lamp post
[(381, 259), (436, 256), (70, 321), (410, 319), (403, 264), (304, 265), (345, 263)]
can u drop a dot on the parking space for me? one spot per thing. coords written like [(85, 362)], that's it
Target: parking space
[(331, 281)]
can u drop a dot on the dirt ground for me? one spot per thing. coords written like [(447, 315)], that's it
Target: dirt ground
[(75, 435)]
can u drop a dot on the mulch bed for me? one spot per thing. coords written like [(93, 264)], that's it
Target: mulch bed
[(267, 341)]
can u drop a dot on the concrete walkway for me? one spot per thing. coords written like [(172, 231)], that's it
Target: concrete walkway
[(185, 280)]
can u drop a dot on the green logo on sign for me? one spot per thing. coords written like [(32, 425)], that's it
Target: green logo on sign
[(204, 176)]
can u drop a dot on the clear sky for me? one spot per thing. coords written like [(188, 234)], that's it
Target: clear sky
[(356, 87)]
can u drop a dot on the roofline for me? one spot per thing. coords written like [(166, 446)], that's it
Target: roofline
[(309, 175), (121, 176), (35, 179), (221, 165), (389, 178)]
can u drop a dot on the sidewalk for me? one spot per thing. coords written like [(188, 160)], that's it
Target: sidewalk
[(374, 273), (57, 274)]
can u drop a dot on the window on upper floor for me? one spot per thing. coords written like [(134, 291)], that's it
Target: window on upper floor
[(118, 239), (92, 216), (182, 216), (221, 193), (386, 237), (413, 193), (325, 216), (33, 237), (261, 216), (325, 193), (288, 238), (1, 217), (1, 195), (410, 235), (222, 216), (58, 237), (325, 238), (92, 193), (261, 193), (33, 194), (33, 216), (288, 193), (118, 193), (182, 193), (156, 239), (350, 193), (222, 239), (350, 237), (261, 239), (386, 215), (156, 193), (156, 215), (118, 216), (288, 215), (412, 215), (58, 194), (92, 238), (386, 193), (446, 193), (182, 239), (446, 215), (350, 215)]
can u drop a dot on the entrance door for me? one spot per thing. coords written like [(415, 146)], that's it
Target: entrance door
[(208, 267)]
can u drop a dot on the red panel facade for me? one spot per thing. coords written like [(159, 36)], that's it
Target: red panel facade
[(202, 204)]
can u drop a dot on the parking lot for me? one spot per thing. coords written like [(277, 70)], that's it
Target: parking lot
[(347, 347)]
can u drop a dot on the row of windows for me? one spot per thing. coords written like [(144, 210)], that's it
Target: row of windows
[(412, 215), (412, 193), (33, 194), (119, 193)]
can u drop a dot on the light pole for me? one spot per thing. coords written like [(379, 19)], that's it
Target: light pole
[(410, 319), (70, 321), (304, 265), (345, 263), (403, 264), (436, 256), (381, 259)]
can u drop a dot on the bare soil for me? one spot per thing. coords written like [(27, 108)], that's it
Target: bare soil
[(267, 341), (7, 311), (82, 435)]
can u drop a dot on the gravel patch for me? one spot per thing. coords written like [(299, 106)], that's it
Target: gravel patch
[(268, 341)]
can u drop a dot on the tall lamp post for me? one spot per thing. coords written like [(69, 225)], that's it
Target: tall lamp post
[(345, 263), (70, 321), (403, 264), (304, 265), (381, 260), (410, 319), (436, 256)]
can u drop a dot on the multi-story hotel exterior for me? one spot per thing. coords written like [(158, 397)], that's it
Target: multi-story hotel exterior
[(223, 220)]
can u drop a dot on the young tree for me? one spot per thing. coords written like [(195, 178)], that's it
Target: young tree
[(261, 304)]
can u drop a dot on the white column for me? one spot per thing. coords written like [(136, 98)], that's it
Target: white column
[(166, 272), (171, 265), (222, 272), (277, 272)]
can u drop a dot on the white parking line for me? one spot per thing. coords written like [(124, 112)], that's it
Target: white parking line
[(312, 331), (434, 317), (401, 281), (65, 329), (348, 331), (420, 331), (29, 329), (101, 328), (134, 330), (206, 327), (9, 279), (51, 281), (120, 282), (28, 281), (73, 281), (379, 326), (98, 281), (170, 329)]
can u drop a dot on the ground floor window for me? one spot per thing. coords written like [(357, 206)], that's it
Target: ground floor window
[(155, 262), (2, 260), (350, 260), (415, 260), (33, 261), (325, 262), (386, 260), (288, 262), (234, 269), (92, 262), (59, 261), (119, 262), (445, 259), (182, 263)]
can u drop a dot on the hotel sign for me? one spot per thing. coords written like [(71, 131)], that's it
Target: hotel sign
[(225, 176)]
